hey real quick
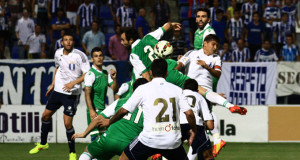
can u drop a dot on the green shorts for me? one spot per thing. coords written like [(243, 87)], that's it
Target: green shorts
[(104, 148)]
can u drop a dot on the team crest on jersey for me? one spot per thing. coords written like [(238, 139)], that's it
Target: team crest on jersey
[(72, 66)]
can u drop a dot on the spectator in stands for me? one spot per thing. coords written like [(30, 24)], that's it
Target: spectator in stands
[(266, 54), (248, 9), (142, 26), (160, 13), (84, 19), (93, 38), (179, 44), (58, 23), (4, 27), (231, 9), (219, 25), (36, 44), (71, 9), (291, 10), (235, 29), (213, 10), (290, 51), (254, 35), (58, 43), (113, 6), (53, 6), (126, 15), (42, 13), (242, 53), (271, 17), (282, 29), (115, 47), (225, 53), (24, 28)]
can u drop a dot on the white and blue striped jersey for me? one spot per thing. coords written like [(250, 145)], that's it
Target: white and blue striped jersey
[(289, 53), (213, 13), (291, 11), (126, 15), (263, 55), (55, 4), (226, 57), (235, 28), (86, 14), (251, 8), (70, 67), (58, 44), (271, 12), (241, 56), (282, 29)]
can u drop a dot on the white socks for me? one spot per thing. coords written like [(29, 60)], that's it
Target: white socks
[(190, 155), (85, 156), (216, 98)]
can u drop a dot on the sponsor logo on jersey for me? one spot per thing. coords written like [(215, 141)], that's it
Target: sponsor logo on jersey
[(170, 127)]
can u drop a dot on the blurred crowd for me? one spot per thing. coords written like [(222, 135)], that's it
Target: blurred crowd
[(261, 30)]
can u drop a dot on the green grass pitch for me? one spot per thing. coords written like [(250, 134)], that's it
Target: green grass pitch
[(233, 151)]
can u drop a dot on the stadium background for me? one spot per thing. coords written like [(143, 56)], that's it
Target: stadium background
[(23, 84)]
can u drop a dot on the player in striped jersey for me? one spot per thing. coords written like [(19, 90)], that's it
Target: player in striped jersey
[(271, 17), (118, 135), (248, 9), (291, 10), (235, 28), (242, 53), (266, 54)]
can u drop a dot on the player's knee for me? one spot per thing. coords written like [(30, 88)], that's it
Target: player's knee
[(46, 117), (68, 125)]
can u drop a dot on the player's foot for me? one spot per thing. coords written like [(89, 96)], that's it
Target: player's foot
[(38, 147), (72, 156), (237, 109), (218, 146), (156, 157)]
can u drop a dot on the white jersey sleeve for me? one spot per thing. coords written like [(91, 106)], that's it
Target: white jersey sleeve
[(138, 66), (134, 101), (109, 111), (110, 80), (157, 34), (186, 58), (124, 88), (56, 59), (89, 79), (183, 103), (85, 65), (218, 63)]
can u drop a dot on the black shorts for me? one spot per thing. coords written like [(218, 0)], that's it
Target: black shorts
[(70, 102), (136, 150), (201, 142)]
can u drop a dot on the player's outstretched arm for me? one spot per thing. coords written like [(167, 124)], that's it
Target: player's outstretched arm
[(120, 114), (192, 121), (213, 72), (171, 25), (51, 87), (92, 126), (70, 85)]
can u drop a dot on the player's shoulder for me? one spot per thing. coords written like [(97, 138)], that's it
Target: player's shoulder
[(59, 52), (89, 74), (82, 56)]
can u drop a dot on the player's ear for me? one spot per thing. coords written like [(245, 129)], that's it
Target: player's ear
[(167, 74)]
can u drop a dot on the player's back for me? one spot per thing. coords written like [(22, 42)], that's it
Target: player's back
[(160, 104), (129, 127)]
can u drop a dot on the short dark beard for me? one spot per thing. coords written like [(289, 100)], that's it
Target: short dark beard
[(69, 50)]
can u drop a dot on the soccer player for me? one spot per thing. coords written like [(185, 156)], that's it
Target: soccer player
[(96, 82), (118, 135), (204, 120), (142, 49), (204, 29), (71, 66), (160, 102), (124, 90), (203, 65)]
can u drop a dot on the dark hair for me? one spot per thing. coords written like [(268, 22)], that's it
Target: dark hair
[(219, 11), (204, 10), (139, 82), (284, 14), (267, 40), (191, 84), (256, 13), (96, 49), (212, 37), (68, 34), (131, 33), (159, 68), (289, 35), (236, 10)]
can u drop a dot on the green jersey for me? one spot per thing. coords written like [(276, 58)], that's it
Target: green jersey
[(98, 81), (200, 36), (174, 76), (129, 127), (125, 89), (142, 53)]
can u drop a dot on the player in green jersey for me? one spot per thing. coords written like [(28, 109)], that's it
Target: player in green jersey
[(96, 82), (118, 135), (204, 29), (124, 90), (142, 53)]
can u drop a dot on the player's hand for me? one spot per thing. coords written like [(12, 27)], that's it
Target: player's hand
[(192, 137), (103, 122), (78, 135), (93, 114), (68, 87), (176, 26), (113, 74), (50, 88), (202, 63)]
